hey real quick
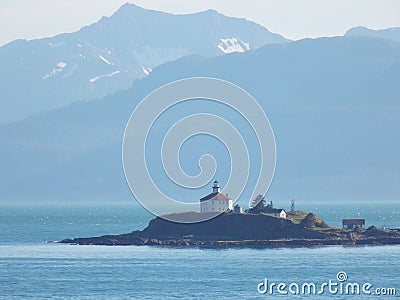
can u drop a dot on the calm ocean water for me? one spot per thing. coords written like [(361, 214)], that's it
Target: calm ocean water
[(33, 268)]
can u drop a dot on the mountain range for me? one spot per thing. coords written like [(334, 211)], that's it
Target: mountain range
[(111, 54), (332, 102)]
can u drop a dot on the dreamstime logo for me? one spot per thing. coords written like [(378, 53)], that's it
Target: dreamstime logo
[(340, 287), (144, 186), (341, 276)]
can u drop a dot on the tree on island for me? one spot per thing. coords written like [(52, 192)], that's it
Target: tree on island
[(257, 205)]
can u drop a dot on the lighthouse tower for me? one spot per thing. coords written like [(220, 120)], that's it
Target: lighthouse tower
[(216, 188)]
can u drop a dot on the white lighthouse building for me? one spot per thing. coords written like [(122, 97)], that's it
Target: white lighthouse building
[(216, 202)]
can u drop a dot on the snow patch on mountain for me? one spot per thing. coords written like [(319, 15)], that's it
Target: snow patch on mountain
[(94, 79), (146, 71), (60, 67), (231, 45), (105, 60), (61, 64)]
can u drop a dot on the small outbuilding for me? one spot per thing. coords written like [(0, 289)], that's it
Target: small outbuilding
[(238, 209), (276, 212), (353, 223)]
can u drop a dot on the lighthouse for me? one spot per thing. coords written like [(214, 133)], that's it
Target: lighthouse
[(216, 201)]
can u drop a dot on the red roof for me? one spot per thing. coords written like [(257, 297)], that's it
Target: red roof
[(215, 196)]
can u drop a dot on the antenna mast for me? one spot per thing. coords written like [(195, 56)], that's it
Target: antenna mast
[(292, 205)]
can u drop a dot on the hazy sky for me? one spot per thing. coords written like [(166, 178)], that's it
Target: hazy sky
[(294, 19)]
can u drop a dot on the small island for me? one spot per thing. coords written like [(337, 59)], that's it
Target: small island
[(259, 226), (232, 229)]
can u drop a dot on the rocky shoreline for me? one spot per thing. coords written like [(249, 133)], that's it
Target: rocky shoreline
[(115, 241), (246, 230)]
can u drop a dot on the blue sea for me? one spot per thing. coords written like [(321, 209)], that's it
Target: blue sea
[(32, 266)]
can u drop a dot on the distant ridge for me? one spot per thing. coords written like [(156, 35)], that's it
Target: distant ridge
[(389, 33)]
